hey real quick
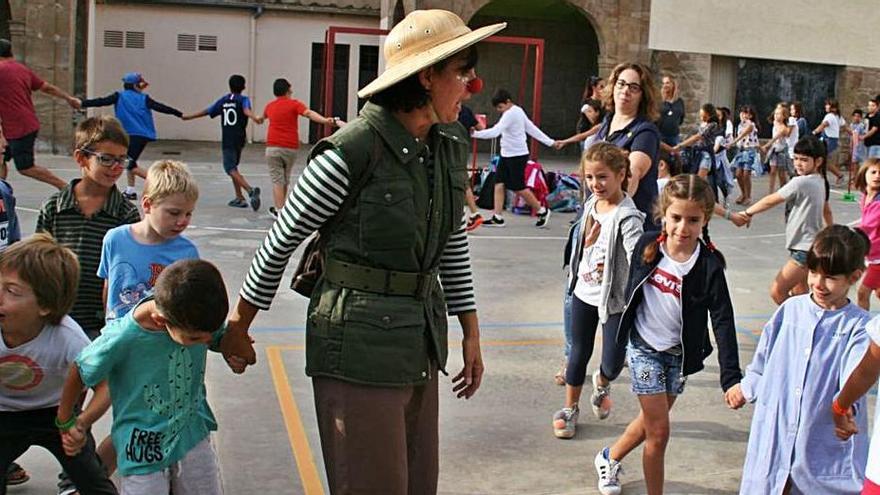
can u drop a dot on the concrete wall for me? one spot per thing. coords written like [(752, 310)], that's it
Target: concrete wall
[(190, 81), (841, 33), (41, 37)]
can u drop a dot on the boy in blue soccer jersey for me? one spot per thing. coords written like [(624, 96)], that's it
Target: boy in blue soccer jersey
[(235, 109)]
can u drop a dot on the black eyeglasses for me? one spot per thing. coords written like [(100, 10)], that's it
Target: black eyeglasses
[(634, 88), (106, 160)]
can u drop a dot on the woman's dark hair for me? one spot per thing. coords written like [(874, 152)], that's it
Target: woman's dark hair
[(813, 147), (409, 94), (838, 250), (798, 109)]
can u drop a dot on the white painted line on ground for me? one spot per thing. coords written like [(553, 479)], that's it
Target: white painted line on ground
[(518, 237)]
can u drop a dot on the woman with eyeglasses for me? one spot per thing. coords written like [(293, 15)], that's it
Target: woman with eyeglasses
[(631, 93)]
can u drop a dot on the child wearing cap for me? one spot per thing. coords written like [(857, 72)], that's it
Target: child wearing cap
[(134, 109)]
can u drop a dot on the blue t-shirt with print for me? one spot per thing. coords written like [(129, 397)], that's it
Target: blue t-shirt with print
[(233, 122), (157, 388), (131, 268)]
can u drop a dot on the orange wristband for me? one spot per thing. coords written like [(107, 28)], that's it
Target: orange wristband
[(839, 411)]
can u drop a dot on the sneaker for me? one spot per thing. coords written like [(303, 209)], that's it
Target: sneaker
[(131, 196), (16, 475), (474, 222), (495, 221), (543, 218), (238, 203), (608, 470), (600, 398), (254, 198), (273, 212), (565, 422)]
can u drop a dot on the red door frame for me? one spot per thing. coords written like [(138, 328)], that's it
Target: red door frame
[(538, 43)]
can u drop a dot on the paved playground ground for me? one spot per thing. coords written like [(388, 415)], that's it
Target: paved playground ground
[(500, 442)]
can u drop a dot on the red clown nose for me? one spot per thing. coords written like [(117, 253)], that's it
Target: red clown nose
[(475, 85)]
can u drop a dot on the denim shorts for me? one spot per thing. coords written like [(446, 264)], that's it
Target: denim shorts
[(705, 160), (652, 371), (748, 159), (798, 256)]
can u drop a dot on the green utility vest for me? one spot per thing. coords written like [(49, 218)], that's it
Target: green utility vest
[(378, 314)]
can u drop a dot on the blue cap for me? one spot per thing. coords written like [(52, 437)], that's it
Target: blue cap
[(133, 78)]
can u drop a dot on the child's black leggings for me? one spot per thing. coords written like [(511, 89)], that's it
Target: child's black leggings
[(584, 321), (21, 430)]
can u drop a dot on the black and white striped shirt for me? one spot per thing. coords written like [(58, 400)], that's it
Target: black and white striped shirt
[(317, 196)]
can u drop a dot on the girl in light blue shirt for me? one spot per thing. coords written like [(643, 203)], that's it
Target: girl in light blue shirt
[(803, 359)]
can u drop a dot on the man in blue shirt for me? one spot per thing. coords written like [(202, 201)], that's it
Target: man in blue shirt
[(235, 110)]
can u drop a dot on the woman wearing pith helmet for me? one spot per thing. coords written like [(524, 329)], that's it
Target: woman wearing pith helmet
[(387, 192)]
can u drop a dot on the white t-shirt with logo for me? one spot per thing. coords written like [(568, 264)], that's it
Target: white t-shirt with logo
[(591, 269), (32, 374), (658, 319)]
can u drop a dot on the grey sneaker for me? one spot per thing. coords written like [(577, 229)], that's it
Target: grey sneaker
[(565, 422), (254, 198), (600, 399), (608, 469), (238, 203)]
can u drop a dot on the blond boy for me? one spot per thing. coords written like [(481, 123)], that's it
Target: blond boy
[(133, 256)]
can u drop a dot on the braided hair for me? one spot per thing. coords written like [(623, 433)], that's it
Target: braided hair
[(688, 187)]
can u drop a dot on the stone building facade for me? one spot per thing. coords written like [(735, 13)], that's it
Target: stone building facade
[(583, 37)]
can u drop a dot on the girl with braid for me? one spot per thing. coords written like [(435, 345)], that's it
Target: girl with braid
[(676, 281)]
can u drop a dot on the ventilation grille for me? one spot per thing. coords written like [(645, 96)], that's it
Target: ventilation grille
[(207, 43), (135, 39), (186, 42), (113, 39)]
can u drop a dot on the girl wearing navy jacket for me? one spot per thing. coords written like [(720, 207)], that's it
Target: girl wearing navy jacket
[(676, 282)]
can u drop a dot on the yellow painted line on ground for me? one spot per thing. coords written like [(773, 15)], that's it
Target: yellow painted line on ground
[(296, 434)]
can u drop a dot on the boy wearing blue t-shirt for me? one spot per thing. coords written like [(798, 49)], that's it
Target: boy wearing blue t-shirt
[(235, 110), (132, 256), (153, 359)]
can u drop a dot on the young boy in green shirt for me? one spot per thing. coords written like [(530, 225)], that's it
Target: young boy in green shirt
[(154, 361)]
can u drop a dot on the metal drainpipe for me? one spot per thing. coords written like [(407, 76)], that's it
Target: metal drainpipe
[(252, 63)]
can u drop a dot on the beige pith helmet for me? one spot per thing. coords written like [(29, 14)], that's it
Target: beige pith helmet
[(422, 39)]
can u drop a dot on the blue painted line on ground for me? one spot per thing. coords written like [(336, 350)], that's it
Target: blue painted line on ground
[(494, 326)]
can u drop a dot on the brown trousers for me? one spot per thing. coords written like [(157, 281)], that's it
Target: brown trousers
[(378, 440)]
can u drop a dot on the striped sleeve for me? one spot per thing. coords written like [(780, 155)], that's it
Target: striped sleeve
[(316, 196), (456, 275)]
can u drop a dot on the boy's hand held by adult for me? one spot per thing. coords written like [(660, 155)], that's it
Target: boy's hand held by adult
[(237, 348)]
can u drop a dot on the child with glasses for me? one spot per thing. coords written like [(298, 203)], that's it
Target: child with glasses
[(79, 215)]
